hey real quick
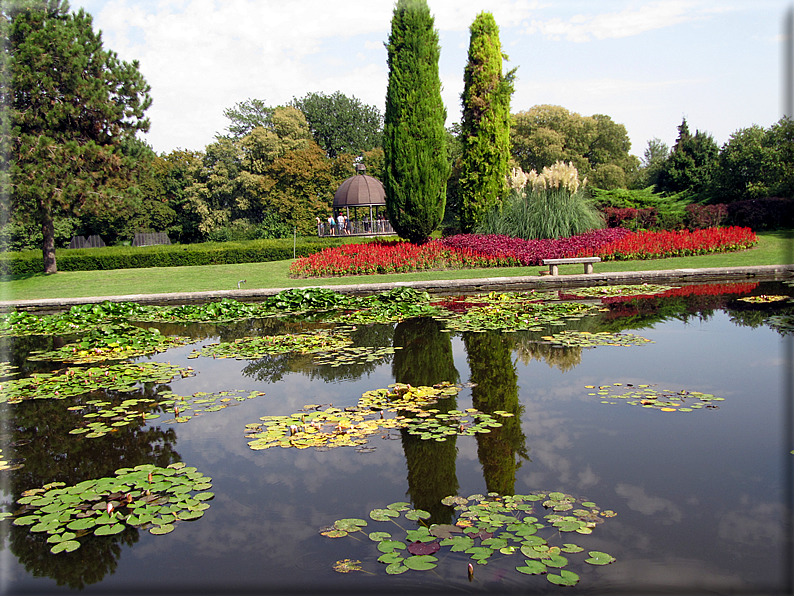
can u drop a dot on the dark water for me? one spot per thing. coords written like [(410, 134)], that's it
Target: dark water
[(703, 498)]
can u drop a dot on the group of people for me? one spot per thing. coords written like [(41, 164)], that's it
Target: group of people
[(341, 223), (342, 226)]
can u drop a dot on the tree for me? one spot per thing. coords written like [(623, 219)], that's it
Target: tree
[(691, 164), (596, 145), (652, 159), (70, 107), (246, 116), (414, 140), (486, 122), (341, 124)]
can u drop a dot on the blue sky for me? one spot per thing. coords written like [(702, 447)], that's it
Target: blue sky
[(646, 64)]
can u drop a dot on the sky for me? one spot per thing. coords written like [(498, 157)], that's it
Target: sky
[(645, 64)]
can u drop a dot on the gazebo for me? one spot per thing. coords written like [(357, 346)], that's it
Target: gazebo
[(362, 200)]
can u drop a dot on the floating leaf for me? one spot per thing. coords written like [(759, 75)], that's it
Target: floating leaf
[(396, 568), (421, 562), (347, 565), (566, 578), (423, 548), (163, 529), (599, 558), (532, 567)]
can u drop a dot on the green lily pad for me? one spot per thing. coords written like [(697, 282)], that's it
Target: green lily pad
[(599, 558), (396, 568), (162, 529), (65, 546), (565, 578), (421, 562), (532, 567)]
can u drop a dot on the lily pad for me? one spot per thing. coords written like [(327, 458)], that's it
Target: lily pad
[(565, 578), (421, 562), (599, 558)]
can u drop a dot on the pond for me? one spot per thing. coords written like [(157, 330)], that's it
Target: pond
[(627, 443)]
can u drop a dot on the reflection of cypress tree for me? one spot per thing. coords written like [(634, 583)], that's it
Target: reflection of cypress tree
[(426, 359), (426, 354), (496, 388), (39, 433)]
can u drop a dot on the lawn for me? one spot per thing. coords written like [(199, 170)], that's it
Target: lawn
[(774, 248)]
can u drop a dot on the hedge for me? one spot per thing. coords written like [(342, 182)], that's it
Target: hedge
[(174, 255)]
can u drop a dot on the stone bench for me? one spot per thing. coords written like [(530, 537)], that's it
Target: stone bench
[(555, 263)]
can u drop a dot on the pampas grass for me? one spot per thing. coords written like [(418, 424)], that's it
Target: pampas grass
[(539, 214)]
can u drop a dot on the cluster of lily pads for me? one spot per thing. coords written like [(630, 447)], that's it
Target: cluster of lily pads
[(616, 290), (586, 339), (144, 497), (486, 527), (112, 342), (664, 400), (321, 340), (77, 381), (763, 299), (377, 411), (111, 417)]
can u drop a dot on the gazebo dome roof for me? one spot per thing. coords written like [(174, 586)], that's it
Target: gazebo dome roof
[(358, 191)]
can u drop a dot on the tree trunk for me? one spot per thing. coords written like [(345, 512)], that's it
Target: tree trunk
[(48, 246)]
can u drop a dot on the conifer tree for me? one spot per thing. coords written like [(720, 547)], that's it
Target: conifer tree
[(71, 110), (486, 123), (414, 139)]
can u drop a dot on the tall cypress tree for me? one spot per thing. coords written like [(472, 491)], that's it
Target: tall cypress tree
[(486, 123), (414, 139), (71, 111)]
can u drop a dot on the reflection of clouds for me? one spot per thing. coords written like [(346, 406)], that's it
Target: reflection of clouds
[(638, 500), (670, 576), (587, 477), (756, 524)]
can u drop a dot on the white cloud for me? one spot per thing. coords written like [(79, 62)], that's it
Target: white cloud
[(638, 500), (610, 25)]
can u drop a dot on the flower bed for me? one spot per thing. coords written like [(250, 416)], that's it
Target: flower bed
[(532, 252), (393, 257), (657, 245)]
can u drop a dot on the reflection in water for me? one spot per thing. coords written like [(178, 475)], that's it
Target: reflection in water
[(426, 359), (493, 375), (272, 368), (38, 432), (528, 348)]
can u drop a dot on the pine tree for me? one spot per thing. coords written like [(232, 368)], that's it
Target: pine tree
[(414, 139), (486, 123), (70, 111)]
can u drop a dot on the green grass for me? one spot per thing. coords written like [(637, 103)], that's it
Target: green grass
[(774, 248)]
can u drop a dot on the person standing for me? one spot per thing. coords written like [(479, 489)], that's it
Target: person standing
[(331, 224)]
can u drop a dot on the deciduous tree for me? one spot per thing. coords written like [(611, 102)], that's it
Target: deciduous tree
[(414, 140), (341, 124)]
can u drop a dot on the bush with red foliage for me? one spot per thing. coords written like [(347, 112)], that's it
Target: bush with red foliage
[(617, 217), (699, 217)]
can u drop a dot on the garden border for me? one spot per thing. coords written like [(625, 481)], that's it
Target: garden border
[(441, 286)]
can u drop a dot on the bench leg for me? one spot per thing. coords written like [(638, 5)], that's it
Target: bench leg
[(588, 267), (553, 269)]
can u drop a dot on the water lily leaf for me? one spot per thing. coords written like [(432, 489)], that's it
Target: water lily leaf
[(378, 536), (566, 578), (396, 568), (347, 565), (67, 546), (81, 524), (108, 530), (571, 548), (599, 558), (444, 530), (417, 514), (555, 560), (334, 533), (423, 548), (531, 567), (421, 562), (387, 546), (389, 558), (383, 514), (163, 529), (349, 524)]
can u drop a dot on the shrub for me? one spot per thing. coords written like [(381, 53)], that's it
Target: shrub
[(762, 214), (174, 255), (555, 213), (631, 218), (699, 216)]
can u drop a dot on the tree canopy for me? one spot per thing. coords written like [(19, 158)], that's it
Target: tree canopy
[(71, 109), (414, 139), (596, 145), (486, 123), (692, 163), (341, 124)]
